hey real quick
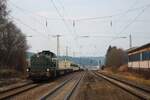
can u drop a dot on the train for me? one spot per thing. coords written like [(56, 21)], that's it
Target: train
[(45, 65)]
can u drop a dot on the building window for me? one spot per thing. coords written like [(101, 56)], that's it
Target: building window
[(146, 55), (134, 57)]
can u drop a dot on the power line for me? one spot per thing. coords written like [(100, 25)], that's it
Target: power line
[(62, 6), (25, 12), (100, 36), (136, 17), (113, 15), (47, 18), (79, 36), (61, 16), (80, 19), (58, 12), (130, 7), (28, 11), (72, 22), (28, 26)]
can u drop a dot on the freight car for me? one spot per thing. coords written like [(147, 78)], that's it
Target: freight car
[(75, 67), (44, 66)]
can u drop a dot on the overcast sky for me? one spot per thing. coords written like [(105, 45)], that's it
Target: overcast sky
[(102, 20)]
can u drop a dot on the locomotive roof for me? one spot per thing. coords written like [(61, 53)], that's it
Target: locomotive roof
[(46, 52)]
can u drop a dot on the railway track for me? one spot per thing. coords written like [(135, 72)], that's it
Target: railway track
[(143, 88), (64, 90), (134, 90), (7, 94), (15, 87)]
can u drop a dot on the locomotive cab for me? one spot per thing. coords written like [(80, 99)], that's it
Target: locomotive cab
[(42, 66)]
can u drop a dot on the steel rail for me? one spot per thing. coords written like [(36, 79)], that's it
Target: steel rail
[(123, 85), (128, 83), (57, 88), (15, 87), (67, 97), (17, 91)]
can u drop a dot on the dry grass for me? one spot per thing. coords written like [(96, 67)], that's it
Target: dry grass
[(8, 77), (11, 73), (135, 77)]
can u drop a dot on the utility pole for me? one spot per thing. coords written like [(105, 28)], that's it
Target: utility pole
[(66, 56), (130, 41), (58, 50), (66, 51), (80, 55), (58, 53), (100, 64), (74, 54)]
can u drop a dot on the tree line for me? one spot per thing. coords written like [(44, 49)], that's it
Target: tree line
[(13, 43), (115, 57)]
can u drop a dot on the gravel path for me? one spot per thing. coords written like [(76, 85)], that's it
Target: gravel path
[(94, 88)]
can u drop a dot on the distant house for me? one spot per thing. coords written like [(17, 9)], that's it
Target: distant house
[(139, 58)]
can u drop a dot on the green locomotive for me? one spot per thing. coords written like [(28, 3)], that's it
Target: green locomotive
[(44, 65)]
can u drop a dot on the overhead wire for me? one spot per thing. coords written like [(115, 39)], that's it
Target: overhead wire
[(113, 15), (35, 14), (69, 29), (61, 4), (44, 17), (25, 11), (71, 21), (89, 18), (61, 16), (136, 17), (28, 26), (130, 23), (63, 7), (80, 19), (130, 7), (119, 14)]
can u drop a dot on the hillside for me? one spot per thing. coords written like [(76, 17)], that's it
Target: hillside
[(86, 61)]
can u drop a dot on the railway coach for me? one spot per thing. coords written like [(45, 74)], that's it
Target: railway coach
[(139, 59)]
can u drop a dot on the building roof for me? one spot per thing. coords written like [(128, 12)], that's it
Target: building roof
[(131, 49), (138, 48)]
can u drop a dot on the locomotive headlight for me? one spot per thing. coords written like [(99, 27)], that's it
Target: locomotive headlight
[(27, 70), (47, 69)]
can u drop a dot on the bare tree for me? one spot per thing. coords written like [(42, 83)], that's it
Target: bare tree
[(12, 42), (115, 57)]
